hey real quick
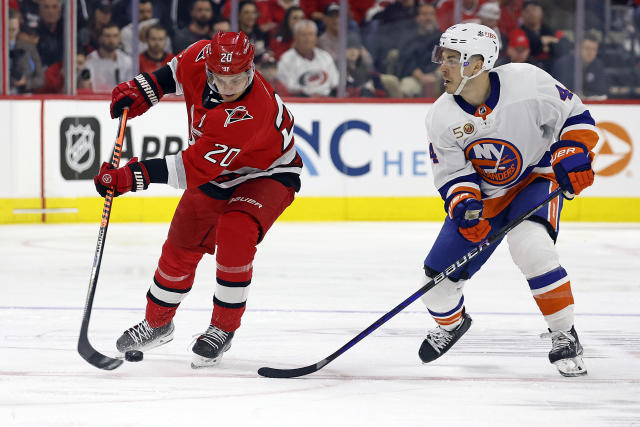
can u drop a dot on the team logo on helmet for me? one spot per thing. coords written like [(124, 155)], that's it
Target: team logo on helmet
[(496, 161), (236, 114)]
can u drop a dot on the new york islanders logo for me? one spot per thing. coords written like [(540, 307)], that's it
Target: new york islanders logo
[(236, 114), (498, 162)]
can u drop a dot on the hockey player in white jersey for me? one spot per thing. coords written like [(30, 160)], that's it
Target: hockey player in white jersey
[(500, 141)]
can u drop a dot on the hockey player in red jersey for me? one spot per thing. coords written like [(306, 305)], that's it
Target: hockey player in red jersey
[(240, 172)]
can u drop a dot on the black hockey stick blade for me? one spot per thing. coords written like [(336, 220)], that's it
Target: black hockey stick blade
[(86, 350), (295, 372), (96, 358), (298, 372)]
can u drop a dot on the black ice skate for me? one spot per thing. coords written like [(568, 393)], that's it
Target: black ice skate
[(439, 341), (210, 347), (143, 337), (566, 352)]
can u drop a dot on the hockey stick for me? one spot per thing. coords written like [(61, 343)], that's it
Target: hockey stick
[(298, 372), (85, 348)]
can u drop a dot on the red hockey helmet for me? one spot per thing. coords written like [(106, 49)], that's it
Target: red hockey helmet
[(229, 53)]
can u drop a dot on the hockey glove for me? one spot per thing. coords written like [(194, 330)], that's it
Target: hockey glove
[(132, 177), (466, 211), (571, 162), (138, 94)]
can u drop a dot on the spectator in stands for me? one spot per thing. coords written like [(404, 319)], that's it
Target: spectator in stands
[(83, 76), (268, 68), (108, 65), (305, 69), (446, 10), (419, 75), (329, 40), (248, 23), (489, 15), (54, 77), (594, 78), (51, 29), (283, 38), (510, 11), (199, 27), (542, 39), (88, 36), (25, 69), (30, 11), (145, 21), (386, 31), (362, 80), (155, 56), (273, 13), (220, 24), (518, 50)]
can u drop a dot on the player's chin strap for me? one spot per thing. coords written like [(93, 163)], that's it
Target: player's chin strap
[(465, 79)]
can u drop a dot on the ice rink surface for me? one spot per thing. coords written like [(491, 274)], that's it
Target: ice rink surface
[(316, 285)]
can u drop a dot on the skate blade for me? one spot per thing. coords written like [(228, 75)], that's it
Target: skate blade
[(153, 345), (199, 362), (572, 367)]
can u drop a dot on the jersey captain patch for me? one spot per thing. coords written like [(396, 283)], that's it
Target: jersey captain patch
[(236, 114), (496, 161)]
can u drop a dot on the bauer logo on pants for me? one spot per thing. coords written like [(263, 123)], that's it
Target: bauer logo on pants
[(79, 147)]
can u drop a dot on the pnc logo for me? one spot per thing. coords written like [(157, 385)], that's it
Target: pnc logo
[(498, 162), (614, 151)]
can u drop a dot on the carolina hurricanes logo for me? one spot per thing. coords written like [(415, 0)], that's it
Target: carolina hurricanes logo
[(313, 78), (237, 114), (106, 179), (497, 161)]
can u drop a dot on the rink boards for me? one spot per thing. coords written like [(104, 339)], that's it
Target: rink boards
[(363, 161)]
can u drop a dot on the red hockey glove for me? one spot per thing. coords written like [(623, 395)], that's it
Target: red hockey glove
[(138, 94), (132, 177), (466, 211), (571, 161)]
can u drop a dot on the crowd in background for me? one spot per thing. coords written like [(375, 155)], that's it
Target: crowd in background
[(388, 53)]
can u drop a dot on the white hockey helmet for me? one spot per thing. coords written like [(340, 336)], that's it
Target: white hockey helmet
[(469, 39)]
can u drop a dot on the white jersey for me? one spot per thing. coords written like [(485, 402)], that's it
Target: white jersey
[(496, 149), (315, 76), (106, 73)]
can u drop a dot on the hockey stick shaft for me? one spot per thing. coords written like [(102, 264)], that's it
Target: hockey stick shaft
[(85, 348), (297, 372)]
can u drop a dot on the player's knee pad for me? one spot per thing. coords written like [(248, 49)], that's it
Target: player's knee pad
[(532, 249), (177, 263), (236, 237), (443, 296)]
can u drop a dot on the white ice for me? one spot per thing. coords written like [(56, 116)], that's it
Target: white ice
[(316, 285)]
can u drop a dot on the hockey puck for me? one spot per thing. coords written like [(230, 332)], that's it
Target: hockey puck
[(133, 356)]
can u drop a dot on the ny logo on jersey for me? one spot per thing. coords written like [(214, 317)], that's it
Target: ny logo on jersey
[(236, 114), (496, 161)]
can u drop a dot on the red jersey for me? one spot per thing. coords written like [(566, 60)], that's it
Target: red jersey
[(230, 142), (148, 64)]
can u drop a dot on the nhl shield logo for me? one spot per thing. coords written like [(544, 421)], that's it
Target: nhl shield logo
[(79, 144), (236, 115)]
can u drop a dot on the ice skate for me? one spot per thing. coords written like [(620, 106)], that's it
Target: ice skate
[(143, 337), (210, 347), (566, 352), (439, 341)]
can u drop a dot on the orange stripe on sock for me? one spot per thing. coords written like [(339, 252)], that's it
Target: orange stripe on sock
[(555, 300), (448, 320)]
